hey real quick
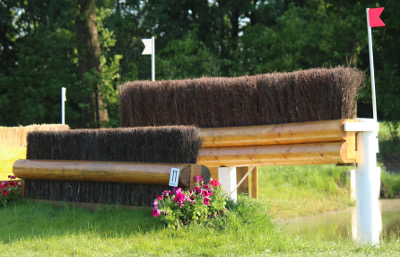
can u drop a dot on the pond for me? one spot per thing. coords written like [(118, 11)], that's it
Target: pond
[(336, 225)]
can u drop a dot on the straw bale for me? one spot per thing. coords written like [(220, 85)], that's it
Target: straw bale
[(309, 95), (16, 136), (168, 144)]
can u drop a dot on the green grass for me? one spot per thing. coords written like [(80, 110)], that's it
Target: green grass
[(292, 191), (41, 229)]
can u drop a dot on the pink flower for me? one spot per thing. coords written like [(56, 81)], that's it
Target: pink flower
[(197, 190), (159, 197), (210, 193), (179, 197), (204, 193), (156, 213), (206, 187), (215, 183), (4, 192), (155, 203), (165, 193), (198, 179), (206, 201)]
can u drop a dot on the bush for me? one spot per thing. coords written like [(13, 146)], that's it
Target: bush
[(176, 208), (10, 190)]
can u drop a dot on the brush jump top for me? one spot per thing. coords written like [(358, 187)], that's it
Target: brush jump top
[(265, 99)]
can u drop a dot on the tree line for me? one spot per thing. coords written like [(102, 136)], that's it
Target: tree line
[(91, 47)]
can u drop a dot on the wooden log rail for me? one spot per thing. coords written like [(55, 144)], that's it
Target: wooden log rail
[(317, 142), (98, 171)]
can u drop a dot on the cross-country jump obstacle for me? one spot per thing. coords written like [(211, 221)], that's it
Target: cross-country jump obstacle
[(304, 117)]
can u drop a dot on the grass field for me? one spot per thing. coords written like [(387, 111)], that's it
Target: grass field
[(41, 229)]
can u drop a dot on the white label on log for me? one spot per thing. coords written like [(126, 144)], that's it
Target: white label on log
[(174, 177)]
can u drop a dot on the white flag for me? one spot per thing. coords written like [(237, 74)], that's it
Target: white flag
[(148, 46)]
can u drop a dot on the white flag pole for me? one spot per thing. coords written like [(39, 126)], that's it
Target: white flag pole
[(371, 67), (153, 59), (63, 100)]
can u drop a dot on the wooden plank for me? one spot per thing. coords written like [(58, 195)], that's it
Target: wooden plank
[(122, 172), (214, 172), (290, 133), (245, 186), (298, 154), (254, 183)]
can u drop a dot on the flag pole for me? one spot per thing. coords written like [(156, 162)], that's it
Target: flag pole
[(63, 99), (371, 68), (153, 59)]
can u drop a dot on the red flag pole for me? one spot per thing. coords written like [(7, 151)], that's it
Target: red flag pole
[(371, 65)]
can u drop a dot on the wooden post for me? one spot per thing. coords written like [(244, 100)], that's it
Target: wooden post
[(254, 183), (214, 172), (245, 186)]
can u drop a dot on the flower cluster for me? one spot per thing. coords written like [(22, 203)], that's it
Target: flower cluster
[(178, 207), (10, 190)]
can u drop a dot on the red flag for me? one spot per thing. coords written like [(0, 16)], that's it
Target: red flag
[(374, 20)]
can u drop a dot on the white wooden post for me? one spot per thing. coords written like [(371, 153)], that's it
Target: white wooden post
[(369, 221), (227, 178)]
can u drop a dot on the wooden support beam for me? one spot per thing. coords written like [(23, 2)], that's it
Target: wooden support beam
[(245, 186), (254, 183), (289, 133), (297, 154), (121, 172)]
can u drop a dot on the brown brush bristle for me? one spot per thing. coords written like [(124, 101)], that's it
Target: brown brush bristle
[(310, 95), (169, 144), (93, 192)]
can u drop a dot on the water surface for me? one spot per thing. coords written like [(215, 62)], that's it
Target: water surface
[(336, 225)]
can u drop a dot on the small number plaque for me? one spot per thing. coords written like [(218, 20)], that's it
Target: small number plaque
[(174, 177)]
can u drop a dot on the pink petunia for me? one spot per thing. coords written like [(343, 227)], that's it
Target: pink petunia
[(155, 203), (206, 187), (156, 213), (204, 193), (197, 190), (179, 197), (206, 201), (159, 197), (198, 179), (215, 183)]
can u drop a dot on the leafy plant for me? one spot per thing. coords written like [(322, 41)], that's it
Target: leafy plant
[(177, 207), (10, 190)]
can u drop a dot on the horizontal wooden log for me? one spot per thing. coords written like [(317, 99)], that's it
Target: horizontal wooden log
[(289, 133), (121, 172), (297, 154)]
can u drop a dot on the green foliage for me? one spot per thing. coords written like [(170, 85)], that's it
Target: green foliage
[(38, 48), (390, 185)]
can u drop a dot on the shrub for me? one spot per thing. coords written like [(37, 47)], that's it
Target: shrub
[(177, 207), (10, 190)]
